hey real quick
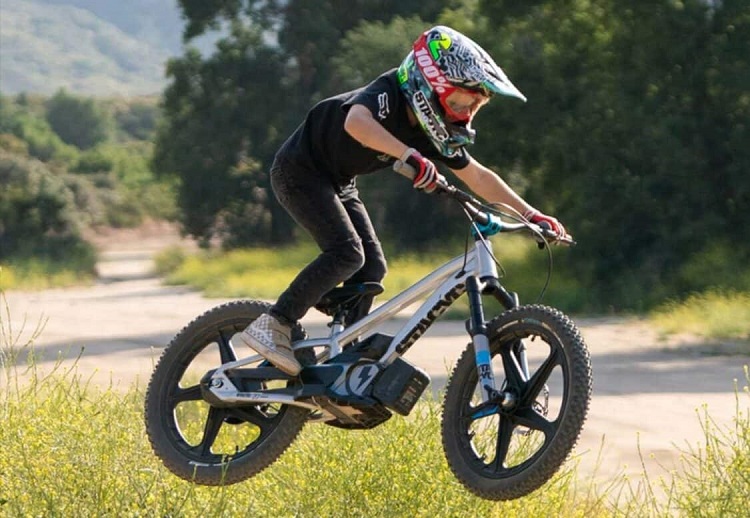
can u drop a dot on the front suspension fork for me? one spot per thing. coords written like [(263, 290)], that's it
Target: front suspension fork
[(477, 328)]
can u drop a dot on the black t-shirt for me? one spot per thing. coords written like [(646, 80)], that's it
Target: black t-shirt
[(321, 143)]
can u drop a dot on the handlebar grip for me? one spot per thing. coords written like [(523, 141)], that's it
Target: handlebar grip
[(409, 172)]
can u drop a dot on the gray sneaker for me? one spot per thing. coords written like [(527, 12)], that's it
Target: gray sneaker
[(272, 340)]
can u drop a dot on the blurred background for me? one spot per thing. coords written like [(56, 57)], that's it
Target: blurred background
[(636, 133)]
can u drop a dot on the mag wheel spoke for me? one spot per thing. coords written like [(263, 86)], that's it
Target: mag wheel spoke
[(211, 431), (252, 416), (504, 436), (537, 382), (226, 351), (187, 394), (532, 420), (513, 373)]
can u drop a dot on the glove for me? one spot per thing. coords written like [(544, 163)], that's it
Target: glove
[(543, 220), (427, 177)]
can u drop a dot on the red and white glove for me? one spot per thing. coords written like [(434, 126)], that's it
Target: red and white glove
[(542, 220), (427, 177)]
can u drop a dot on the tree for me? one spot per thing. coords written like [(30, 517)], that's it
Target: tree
[(138, 119), (633, 124), (226, 115), (221, 123), (78, 121)]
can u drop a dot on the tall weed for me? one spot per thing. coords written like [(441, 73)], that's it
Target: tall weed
[(70, 449), (73, 449), (713, 478)]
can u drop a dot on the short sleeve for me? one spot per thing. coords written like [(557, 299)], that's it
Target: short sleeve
[(458, 161), (380, 97)]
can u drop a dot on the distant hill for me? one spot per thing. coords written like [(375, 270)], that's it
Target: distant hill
[(157, 22), (89, 47)]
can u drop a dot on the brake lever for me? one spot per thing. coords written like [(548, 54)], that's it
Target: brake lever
[(551, 236)]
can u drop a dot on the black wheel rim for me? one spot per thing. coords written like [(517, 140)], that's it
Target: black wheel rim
[(502, 442), (205, 434)]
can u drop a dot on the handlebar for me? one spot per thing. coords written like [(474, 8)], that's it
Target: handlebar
[(481, 217)]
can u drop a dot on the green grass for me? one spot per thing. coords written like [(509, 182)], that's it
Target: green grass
[(70, 449), (712, 315), (264, 273)]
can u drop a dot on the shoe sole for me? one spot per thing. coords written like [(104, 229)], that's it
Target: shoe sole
[(281, 361)]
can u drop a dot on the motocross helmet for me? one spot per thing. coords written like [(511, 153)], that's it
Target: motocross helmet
[(446, 78)]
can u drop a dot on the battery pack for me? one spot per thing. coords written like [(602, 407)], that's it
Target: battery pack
[(400, 385)]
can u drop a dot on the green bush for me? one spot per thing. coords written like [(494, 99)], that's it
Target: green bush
[(75, 267), (132, 192), (138, 119), (38, 217), (717, 265), (96, 160), (40, 141), (169, 260)]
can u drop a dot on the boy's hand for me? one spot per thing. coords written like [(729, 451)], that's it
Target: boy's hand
[(541, 219), (427, 176)]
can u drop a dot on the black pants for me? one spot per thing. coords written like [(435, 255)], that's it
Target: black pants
[(339, 224)]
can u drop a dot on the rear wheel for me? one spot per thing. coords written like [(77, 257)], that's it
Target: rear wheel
[(203, 443), (514, 443)]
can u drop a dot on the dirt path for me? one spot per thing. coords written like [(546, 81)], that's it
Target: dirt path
[(646, 392)]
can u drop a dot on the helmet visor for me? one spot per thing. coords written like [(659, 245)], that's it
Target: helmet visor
[(461, 105)]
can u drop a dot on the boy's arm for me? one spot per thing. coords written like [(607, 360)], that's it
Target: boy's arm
[(491, 187), (363, 128), (487, 184)]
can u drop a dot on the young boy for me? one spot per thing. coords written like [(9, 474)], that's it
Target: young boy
[(420, 112)]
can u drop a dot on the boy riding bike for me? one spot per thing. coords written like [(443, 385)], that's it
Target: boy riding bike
[(417, 113)]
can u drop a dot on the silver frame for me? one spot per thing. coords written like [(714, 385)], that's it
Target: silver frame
[(450, 278)]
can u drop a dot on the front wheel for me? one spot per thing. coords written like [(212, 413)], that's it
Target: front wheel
[(512, 444)]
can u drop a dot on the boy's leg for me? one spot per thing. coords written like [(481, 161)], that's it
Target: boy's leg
[(375, 267), (313, 202)]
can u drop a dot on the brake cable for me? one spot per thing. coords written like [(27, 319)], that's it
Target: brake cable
[(516, 216)]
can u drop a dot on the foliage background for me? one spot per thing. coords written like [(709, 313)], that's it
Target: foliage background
[(634, 134), (68, 165)]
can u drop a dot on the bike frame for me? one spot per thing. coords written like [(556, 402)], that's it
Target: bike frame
[(474, 272)]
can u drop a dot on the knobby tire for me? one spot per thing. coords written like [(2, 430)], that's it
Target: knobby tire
[(488, 469), (197, 462)]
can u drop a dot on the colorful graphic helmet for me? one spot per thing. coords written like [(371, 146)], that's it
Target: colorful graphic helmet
[(446, 78)]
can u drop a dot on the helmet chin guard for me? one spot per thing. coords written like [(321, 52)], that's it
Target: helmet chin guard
[(441, 62)]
